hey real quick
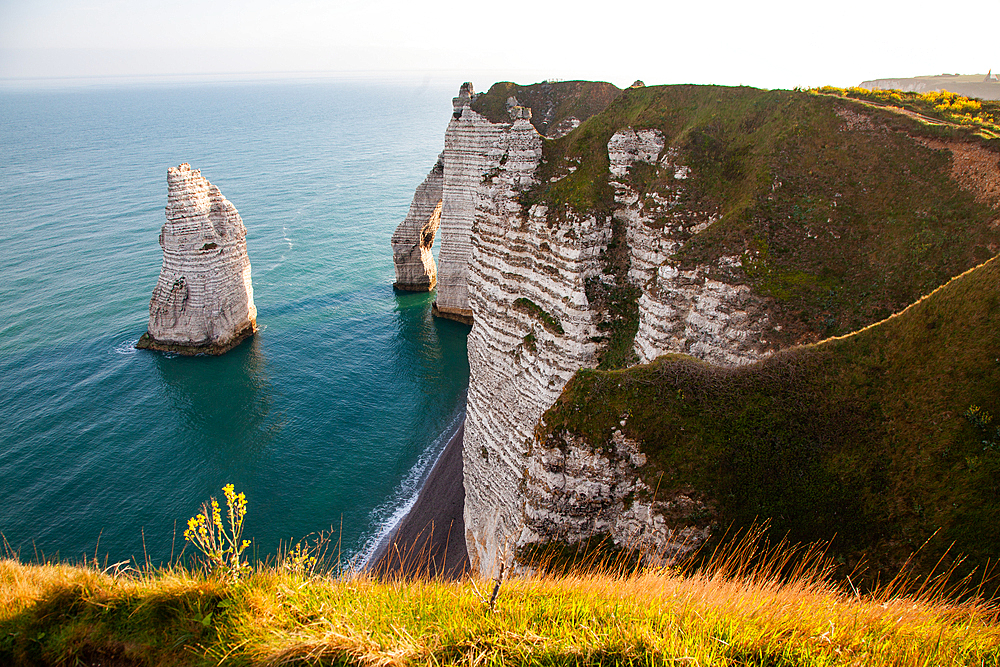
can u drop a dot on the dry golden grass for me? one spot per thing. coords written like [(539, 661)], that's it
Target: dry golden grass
[(750, 605), (651, 618)]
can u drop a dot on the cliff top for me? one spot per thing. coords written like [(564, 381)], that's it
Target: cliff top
[(551, 102)]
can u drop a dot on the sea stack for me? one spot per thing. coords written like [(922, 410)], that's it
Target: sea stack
[(203, 301)]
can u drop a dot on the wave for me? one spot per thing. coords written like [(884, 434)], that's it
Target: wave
[(389, 514), (126, 347)]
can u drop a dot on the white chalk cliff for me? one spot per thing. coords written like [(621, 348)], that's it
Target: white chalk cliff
[(522, 279), (469, 151), (533, 330), (414, 238), (521, 491), (203, 300)]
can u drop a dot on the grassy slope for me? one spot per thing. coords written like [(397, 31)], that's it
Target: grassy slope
[(837, 228), (724, 615), (861, 436), (550, 103)]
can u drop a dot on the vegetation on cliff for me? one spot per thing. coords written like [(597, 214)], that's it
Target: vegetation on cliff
[(551, 102), (977, 117), (881, 439), (980, 86), (841, 211)]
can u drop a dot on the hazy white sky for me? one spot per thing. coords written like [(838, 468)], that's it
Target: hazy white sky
[(773, 44)]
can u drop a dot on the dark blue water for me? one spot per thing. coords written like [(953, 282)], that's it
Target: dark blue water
[(326, 419)]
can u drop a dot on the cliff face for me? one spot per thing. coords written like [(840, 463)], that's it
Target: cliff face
[(203, 300), (536, 326), (883, 438), (718, 320), (533, 330), (718, 223), (469, 151), (472, 149), (414, 238)]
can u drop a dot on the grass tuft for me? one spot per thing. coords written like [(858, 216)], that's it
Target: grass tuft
[(744, 605)]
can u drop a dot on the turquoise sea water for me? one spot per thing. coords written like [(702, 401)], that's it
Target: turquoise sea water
[(326, 419)]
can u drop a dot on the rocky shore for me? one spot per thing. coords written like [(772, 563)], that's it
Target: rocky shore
[(430, 540)]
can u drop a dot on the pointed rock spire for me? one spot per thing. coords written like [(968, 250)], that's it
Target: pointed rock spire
[(203, 301)]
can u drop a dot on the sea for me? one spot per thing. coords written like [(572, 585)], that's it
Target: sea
[(328, 419)]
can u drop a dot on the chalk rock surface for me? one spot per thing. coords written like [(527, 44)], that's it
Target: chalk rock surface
[(707, 312), (203, 301), (470, 150), (533, 330), (535, 326), (475, 144), (414, 238)]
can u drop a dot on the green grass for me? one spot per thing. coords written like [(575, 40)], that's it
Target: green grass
[(836, 228), (550, 102), (533, 310), (728, 612), (864, 438)]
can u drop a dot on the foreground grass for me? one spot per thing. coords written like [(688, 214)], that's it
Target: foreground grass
[(60, 614)]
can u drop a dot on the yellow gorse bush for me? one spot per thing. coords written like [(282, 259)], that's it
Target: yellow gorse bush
[(221, 543), (946, 105)]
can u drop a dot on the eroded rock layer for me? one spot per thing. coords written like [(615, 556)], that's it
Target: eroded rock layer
[(471, 154), (535, 327), (706, 311), (574, 490), (533, 330), (684, 237), (414, 238), (203, 300)]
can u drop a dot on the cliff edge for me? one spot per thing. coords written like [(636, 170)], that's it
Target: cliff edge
[(721, 223), (474, 147), (203, 300)]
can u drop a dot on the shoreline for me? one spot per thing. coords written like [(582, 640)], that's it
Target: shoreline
[(430, 538), (147, 342)]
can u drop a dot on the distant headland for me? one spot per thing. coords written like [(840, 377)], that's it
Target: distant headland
[(984, 86)]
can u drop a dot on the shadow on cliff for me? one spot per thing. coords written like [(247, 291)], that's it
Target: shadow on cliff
[(226, 399)]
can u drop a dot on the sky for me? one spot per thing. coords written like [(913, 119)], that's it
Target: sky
[(771, 44)]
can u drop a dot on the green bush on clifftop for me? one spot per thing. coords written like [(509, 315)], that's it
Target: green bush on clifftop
[(862, 437)]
